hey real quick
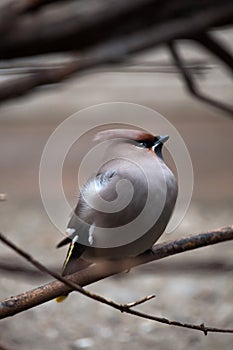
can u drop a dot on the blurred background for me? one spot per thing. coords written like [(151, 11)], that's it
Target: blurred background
[(195, 287)]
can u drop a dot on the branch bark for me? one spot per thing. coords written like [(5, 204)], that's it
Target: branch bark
[(94, 273)]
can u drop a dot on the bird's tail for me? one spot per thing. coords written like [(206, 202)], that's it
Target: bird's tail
[(72, 263), (61, 298)]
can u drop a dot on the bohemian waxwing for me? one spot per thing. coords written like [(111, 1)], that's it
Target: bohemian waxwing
[(149, 190)]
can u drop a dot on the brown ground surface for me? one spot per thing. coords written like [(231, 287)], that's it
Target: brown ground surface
[(196, 296)]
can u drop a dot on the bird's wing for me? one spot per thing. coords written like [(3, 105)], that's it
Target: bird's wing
[(65, 241), (81, 224), (71, 263), (98, 185)]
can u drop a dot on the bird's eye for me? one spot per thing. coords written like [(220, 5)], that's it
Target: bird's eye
[(141, 145)]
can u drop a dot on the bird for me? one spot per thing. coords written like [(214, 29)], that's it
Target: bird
[(141, 191)]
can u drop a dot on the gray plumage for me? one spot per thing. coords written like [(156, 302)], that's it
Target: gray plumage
[(135, 163)]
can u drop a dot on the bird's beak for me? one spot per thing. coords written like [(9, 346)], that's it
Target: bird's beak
[(161, 140)]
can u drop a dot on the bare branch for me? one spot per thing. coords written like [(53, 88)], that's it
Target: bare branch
[(190, 83), (99, 271), (215, 266), (105, 32), (68, 283), (217, 48), (20, 85), (141, 301), (81, 25), (35, 76)]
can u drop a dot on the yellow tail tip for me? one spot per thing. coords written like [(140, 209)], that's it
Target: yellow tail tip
[(61, 298)]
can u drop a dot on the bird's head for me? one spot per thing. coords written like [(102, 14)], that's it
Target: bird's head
[(139, 138)]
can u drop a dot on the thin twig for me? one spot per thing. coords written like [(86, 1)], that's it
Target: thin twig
[(57, 276), (190, 83), (22, 302), (217, 48), (141, 301)]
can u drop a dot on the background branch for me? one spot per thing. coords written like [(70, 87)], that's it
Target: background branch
[(77, 25), (104, 32), (12, 266), (190, 82)]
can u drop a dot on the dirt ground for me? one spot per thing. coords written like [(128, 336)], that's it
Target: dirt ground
[(193, 296)]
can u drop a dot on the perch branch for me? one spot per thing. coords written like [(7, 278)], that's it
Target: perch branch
[(99, 271)]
